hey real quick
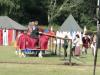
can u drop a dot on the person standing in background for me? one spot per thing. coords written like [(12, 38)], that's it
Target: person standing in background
[(77, 45), (86, 43), (93, 44), (65, 46)]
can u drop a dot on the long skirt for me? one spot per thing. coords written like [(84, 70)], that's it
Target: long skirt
[(77, 51)]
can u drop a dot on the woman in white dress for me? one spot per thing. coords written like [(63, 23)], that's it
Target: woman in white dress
[(77, 46), (93, 45)]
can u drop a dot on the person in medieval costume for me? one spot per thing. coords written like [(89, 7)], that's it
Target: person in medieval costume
[(93, 45), (86, 43), (65, 46), (35, 32), (77, 45), (73, 47)]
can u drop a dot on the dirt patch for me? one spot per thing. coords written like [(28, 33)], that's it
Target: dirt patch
[(65, 63)]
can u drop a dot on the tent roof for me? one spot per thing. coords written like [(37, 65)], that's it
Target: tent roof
[(8, 23), (70, 25)]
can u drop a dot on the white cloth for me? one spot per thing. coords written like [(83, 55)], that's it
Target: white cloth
[(33, 27), (77, 42), (14, 35)]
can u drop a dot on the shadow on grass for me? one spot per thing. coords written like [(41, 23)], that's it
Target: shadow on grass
[(71, 64), (44, 55)]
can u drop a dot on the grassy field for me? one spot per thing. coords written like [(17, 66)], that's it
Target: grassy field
[(10, 64)]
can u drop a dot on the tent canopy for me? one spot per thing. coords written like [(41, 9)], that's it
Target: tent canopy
[(8, 23), (70, 25)]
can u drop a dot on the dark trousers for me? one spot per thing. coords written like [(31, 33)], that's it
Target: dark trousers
[(73, 51), (65, 51)]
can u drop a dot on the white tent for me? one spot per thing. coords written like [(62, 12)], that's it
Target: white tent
[(71, 27)]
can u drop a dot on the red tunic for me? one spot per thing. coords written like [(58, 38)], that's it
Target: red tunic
[(86, 42)]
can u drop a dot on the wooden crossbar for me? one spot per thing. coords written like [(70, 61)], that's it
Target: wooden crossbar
[(53, 36)]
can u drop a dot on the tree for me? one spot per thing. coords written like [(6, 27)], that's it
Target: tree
[(82, 10), (7, 6), (50, 11), (56, 10)]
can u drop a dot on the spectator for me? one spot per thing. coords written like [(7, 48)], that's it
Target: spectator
[(77, 45), (86, 43), (93, 45), (65, 46), (73, 47)]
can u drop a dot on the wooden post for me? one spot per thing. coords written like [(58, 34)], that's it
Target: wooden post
[(50, 45), (70, 62), (60, 48), (95, 58), (56, 46)]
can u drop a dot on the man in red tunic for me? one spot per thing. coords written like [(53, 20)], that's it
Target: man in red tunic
[(86, 44)]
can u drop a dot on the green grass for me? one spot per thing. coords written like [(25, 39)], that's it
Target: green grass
[(27, 69), (50, 65)]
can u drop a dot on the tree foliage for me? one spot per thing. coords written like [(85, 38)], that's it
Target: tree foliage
[(8, 6), (50, 11)]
